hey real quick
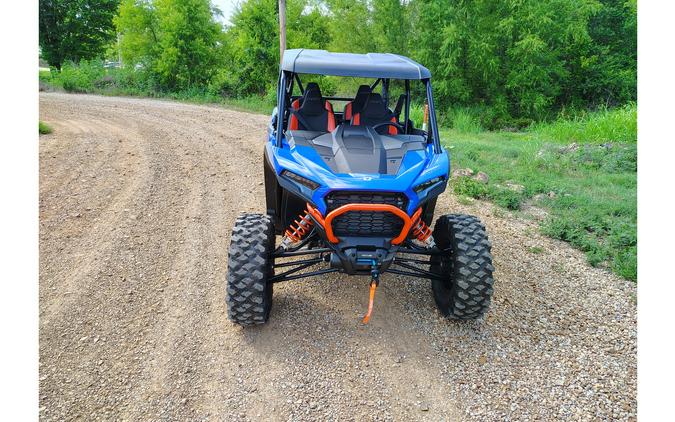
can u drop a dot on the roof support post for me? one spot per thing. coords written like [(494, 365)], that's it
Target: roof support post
[(407, 105), (385, 92), (281, 107), (432, 118)]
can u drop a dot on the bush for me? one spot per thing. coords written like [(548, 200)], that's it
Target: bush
[(506, 198), (223, 83), (503, 197), (417, 114), (463, 121), (80, 78), (471, 188)]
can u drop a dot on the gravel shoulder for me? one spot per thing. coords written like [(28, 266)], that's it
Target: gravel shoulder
[(137, 201)]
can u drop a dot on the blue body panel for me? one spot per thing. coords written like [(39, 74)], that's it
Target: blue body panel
[(417, 167)]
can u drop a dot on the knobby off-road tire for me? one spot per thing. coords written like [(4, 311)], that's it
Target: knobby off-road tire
[(466, 289), (249, 294)]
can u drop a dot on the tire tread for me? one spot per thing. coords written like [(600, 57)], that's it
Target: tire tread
[(249, 295), (469, 268)]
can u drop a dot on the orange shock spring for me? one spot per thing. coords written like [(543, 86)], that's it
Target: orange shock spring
[(420, 230), (299, 229)]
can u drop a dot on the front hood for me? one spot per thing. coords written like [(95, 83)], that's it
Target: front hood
[(358, 149), (360, 160)]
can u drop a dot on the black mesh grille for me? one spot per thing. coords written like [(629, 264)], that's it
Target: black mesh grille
[(366, 223)]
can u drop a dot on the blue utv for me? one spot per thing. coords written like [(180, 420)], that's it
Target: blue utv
[(354, 191)]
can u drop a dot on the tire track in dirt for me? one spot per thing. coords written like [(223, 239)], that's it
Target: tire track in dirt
[(143, 333), (90, 245)]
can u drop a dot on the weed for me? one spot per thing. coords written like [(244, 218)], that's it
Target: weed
[(464, 200), (471, 188), (499, 212), (44, 128), (536, 249), (505, 198), (474, 189)]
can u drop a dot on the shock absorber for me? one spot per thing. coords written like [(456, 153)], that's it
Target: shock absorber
[(297, 231), (422, 233)]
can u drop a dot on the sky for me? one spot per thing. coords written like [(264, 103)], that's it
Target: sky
[(227, 6)]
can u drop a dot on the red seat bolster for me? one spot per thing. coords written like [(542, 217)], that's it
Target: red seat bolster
[(293, 123), (348, 111), (393, 130), (331, 117)]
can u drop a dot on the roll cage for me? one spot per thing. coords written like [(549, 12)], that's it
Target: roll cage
[(288, 79)]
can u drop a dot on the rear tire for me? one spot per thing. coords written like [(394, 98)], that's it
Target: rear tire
[(466, 289), (249, 294)]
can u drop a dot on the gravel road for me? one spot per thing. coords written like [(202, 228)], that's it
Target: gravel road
[(137, 201)]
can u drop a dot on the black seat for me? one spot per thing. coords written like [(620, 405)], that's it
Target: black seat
[(313, 112), (374, 111), (312, 86), (357, 103)]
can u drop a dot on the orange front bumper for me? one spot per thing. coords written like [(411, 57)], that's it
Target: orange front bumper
[(327, 225)]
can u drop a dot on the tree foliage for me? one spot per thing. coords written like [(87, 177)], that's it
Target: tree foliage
[(504, 62), (177, 42), (75, 29), (253, 40)]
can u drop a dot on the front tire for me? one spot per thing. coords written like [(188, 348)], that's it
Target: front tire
[(249, 294), (466, 289)]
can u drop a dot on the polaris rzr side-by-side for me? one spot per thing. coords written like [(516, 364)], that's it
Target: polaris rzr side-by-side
[(354, 192)]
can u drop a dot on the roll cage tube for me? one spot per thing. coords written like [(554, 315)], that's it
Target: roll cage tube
[(385, 92), (432, 116), (297, 79), (281, 108), (407, 105)]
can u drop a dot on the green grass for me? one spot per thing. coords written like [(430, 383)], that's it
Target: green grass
[(91, 77), (615, 125), (462, 120), (594, 201), (43, 128)]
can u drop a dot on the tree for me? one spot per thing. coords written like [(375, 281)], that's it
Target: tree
[(391, 26), (177, 41), (513, 57), (75, 29), (609, 73), (351, 28), (253, 41)]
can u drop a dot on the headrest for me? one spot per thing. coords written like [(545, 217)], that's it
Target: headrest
[(311, 86), (361, 97), (363, 89), (313, 104), (374, 107)]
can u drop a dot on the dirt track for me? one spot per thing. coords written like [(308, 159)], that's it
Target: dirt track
[(137, 200)]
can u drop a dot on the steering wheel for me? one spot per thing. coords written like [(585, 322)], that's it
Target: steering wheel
[(396, 125)]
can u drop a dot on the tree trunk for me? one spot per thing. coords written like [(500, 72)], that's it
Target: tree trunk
[(282, 29)]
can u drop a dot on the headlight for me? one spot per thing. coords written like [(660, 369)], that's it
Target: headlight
[(429, 183), (300, 180)]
